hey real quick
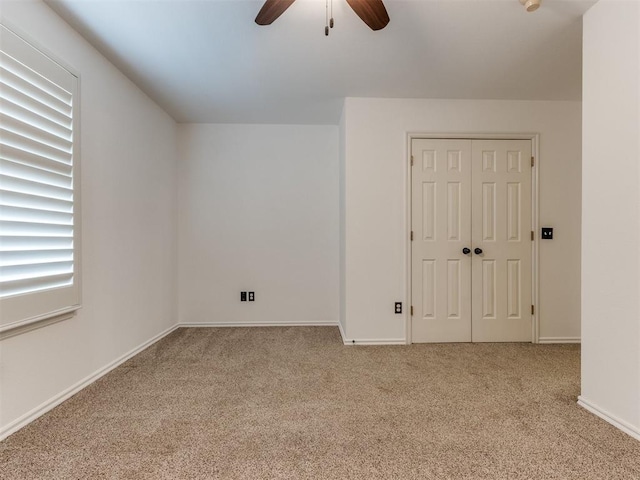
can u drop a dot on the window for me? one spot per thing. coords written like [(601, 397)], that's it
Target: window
[(39, 232)]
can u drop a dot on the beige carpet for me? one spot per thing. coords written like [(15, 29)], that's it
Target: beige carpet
[(263, 403)]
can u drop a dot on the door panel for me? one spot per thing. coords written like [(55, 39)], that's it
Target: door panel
[(501, 220), (441, 219), (475, 194)]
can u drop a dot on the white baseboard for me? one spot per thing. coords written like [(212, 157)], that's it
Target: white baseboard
[(559, 340), (342, 334), (375, 341), (71, 391), (607, 417), (255, 324)]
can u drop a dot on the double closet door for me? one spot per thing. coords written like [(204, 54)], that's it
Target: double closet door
[(472, 245)]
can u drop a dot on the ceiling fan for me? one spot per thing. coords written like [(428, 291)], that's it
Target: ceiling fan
[(372, 12)]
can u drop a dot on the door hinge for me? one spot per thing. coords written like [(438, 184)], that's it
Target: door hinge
[(533, 235), (412, 310), (412, 235), (533, 310), (412, 160), (533, 161)]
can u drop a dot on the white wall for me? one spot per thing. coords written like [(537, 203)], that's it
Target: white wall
[(128, 153), (611, 214), (258, 212), (343, 260), (375, 200)]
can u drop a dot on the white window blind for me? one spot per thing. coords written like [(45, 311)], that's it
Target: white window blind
[(38, 190)]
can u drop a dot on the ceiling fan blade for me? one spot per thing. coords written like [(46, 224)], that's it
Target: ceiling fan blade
[(271, 10), (372, 12)]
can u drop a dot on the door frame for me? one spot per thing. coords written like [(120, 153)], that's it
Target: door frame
[(535, 210)]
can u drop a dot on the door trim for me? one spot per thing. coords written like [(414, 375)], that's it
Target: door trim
[(535, 210)]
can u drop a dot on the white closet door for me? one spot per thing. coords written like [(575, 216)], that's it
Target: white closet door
[(441, 223), (473, 194), (501, 228)]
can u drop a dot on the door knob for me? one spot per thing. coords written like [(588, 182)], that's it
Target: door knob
[(477, 251), (466, 251)]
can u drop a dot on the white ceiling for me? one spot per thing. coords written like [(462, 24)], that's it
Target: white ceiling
[(207, 61)]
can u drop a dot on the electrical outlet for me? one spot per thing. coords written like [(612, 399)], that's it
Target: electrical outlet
[(547, 233), (243, 296), (252, 296), (398, 307)]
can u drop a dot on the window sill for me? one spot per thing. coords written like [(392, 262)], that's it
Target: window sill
[(24, 326)]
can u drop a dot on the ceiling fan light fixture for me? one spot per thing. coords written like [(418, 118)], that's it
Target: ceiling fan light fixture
[(531, 5)]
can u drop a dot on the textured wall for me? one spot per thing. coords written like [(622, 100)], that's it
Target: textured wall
[(258, 212), (611, 213), (376, 202), (128, 159)]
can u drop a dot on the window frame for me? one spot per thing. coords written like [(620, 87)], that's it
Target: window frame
[(21, 316)]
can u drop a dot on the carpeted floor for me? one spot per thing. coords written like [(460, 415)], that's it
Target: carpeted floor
[(272, 403)]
